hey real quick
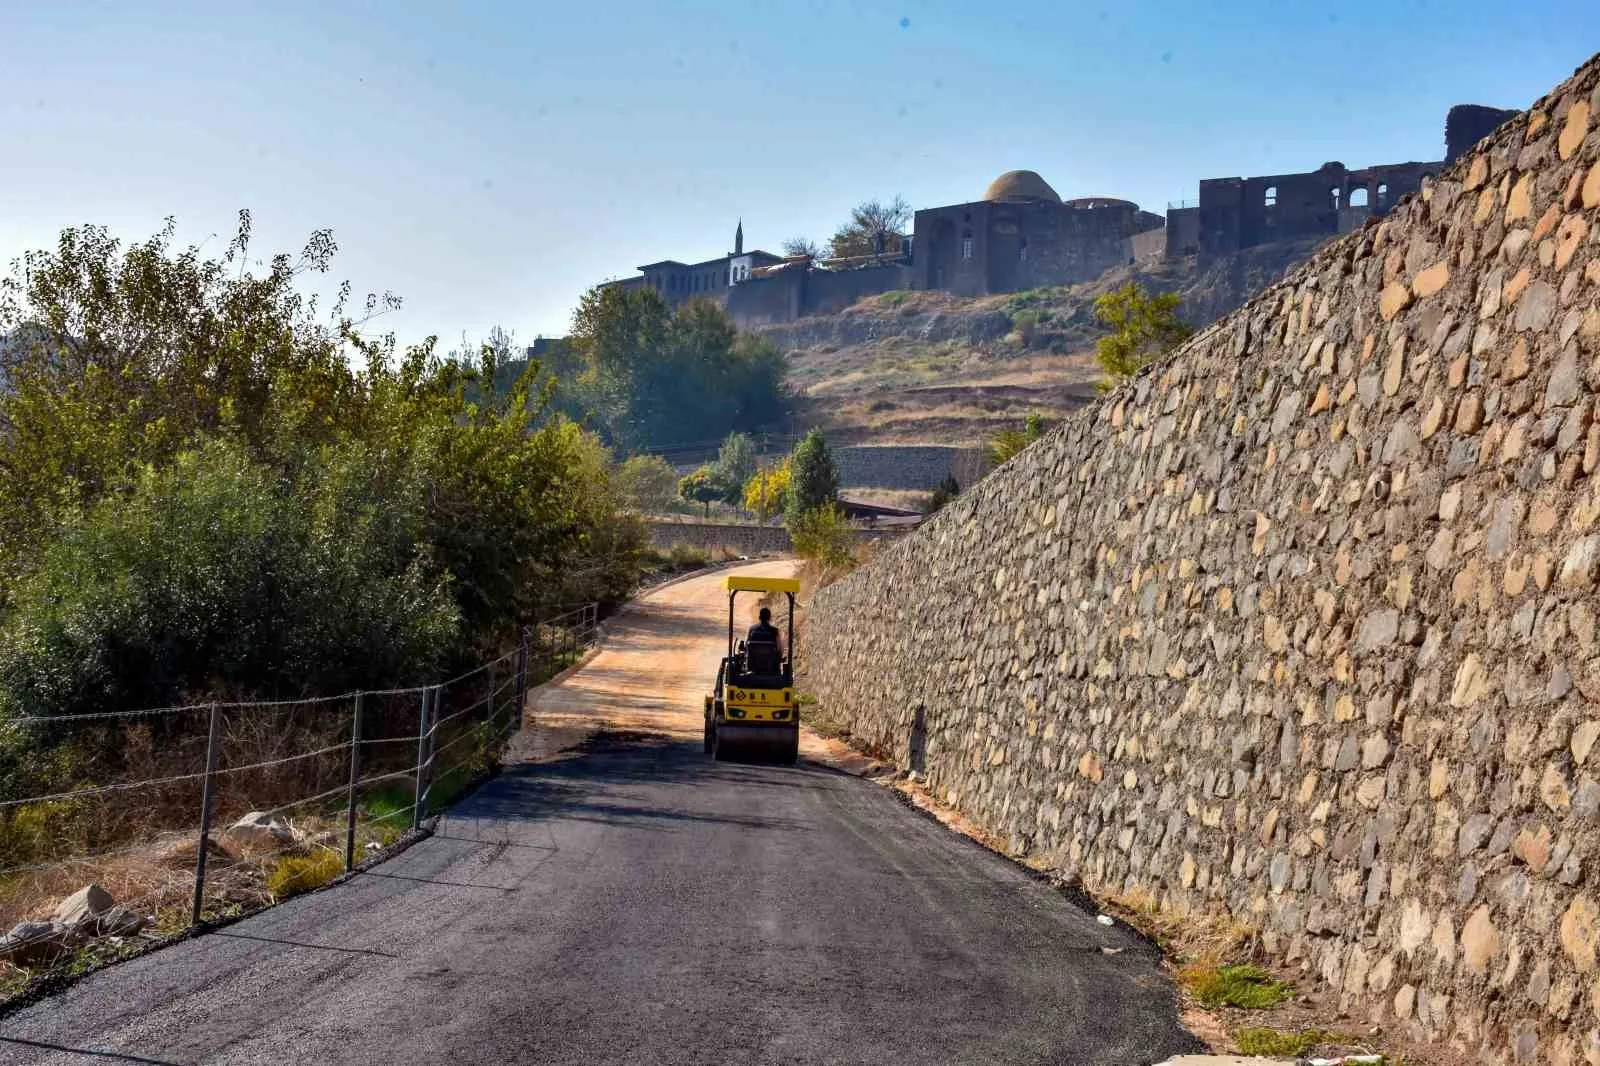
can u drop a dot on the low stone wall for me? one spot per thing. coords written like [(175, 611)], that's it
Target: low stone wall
[(746, 540), (904, 466), (1302, 624)]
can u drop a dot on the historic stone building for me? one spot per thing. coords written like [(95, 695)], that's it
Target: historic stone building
[(1237, 213), (709, 280), (1022, 235)]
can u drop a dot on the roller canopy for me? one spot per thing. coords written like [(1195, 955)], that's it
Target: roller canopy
[(742, 583)]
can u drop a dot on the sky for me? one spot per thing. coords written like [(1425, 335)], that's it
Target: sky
[(488, 162)]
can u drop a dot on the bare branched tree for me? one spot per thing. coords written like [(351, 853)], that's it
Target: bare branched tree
[(875, 228)]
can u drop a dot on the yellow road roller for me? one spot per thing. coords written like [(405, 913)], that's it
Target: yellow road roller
[(752, 712)]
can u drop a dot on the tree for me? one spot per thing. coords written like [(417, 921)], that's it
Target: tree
[(1143, 327), (1008, 442), (658, 378), (737, 463), (767, 491), (874, 229), (813, 478), (646, 483), (802, 246), (705, 486), (945, 491)]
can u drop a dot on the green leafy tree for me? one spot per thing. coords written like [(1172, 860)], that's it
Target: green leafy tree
[(1008, 442), (657, 378), (737, 463), (705, 486), (194, 459), (1143, 327), (647, 483), (874, 228), (813, 477)]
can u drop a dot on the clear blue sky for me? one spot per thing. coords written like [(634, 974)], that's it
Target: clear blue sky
[(489, 161)]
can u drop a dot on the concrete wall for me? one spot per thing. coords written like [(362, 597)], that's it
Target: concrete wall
[(1302, 624)]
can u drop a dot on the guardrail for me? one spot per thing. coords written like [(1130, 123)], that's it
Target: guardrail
[(325, 780)]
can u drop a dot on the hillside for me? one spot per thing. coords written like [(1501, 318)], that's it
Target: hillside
[(928, 367)]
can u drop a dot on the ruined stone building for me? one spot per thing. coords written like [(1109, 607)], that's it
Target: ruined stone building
[(1237, 213), (1022, 235)]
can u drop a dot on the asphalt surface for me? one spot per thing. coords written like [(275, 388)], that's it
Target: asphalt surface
[(636, 903)]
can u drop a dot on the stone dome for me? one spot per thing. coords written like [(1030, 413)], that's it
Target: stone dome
[(1020, 186)]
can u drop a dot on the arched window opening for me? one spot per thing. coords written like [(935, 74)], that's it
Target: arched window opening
[(1383, 195), (966, 246), (1358, 197), (1271, 198), (1022, 250), (1334, 194)]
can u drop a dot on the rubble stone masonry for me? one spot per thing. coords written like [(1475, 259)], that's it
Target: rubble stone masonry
[(1302, 623)]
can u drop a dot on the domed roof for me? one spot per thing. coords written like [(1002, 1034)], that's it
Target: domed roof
[(1020, 186)]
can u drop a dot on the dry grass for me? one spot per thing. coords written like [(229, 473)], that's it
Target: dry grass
[(1206, 939)]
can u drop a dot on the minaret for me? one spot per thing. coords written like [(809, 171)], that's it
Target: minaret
[(738, 238)]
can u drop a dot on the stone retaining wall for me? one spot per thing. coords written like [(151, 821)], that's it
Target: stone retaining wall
[(746, 540), (1302, 624)]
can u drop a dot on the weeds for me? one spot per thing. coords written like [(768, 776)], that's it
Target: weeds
[(1242, 986), (894, 297), (294, 874), (1257, 1041)]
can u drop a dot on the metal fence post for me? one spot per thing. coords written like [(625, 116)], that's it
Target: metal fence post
[(489, 711), (205, 815), (350, 798), (515, 718), (422, 754)]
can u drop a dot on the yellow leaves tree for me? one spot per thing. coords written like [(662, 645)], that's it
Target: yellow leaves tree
[(767, 491)]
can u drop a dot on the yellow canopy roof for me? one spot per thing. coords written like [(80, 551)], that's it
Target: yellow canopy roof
[(745, 583)]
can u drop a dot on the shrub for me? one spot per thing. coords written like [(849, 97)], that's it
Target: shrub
[(942, 494), (1271, 1042), (824, 536), (209, 575), (294, 874), (894, 297), (647, 483), (1008, 442)]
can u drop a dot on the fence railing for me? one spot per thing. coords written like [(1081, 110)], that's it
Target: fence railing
[(303, 790)]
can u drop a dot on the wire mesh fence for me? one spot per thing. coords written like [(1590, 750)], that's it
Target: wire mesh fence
[(192, 813)]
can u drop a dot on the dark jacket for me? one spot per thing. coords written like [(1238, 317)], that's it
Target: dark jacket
[(763, 633)]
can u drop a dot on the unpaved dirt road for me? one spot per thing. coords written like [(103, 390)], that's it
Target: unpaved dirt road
[(633, 902)]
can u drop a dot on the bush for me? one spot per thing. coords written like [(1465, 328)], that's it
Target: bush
[(647, 483), (942, 494), (210, 576), (295, 874), (824, 536)]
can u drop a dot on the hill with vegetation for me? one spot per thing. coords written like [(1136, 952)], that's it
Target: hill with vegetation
[(928, 367)]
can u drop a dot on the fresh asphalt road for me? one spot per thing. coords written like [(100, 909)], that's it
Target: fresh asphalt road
[(637, 903)]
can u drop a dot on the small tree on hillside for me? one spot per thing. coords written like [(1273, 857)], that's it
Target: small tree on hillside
[(813, 479), (1143, 327), (802, 246), (942, 494), (767, 491), (875, 228), (1008, 442), (704, 486), (737, 464)]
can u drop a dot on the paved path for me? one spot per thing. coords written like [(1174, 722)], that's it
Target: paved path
[(636, 903)]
